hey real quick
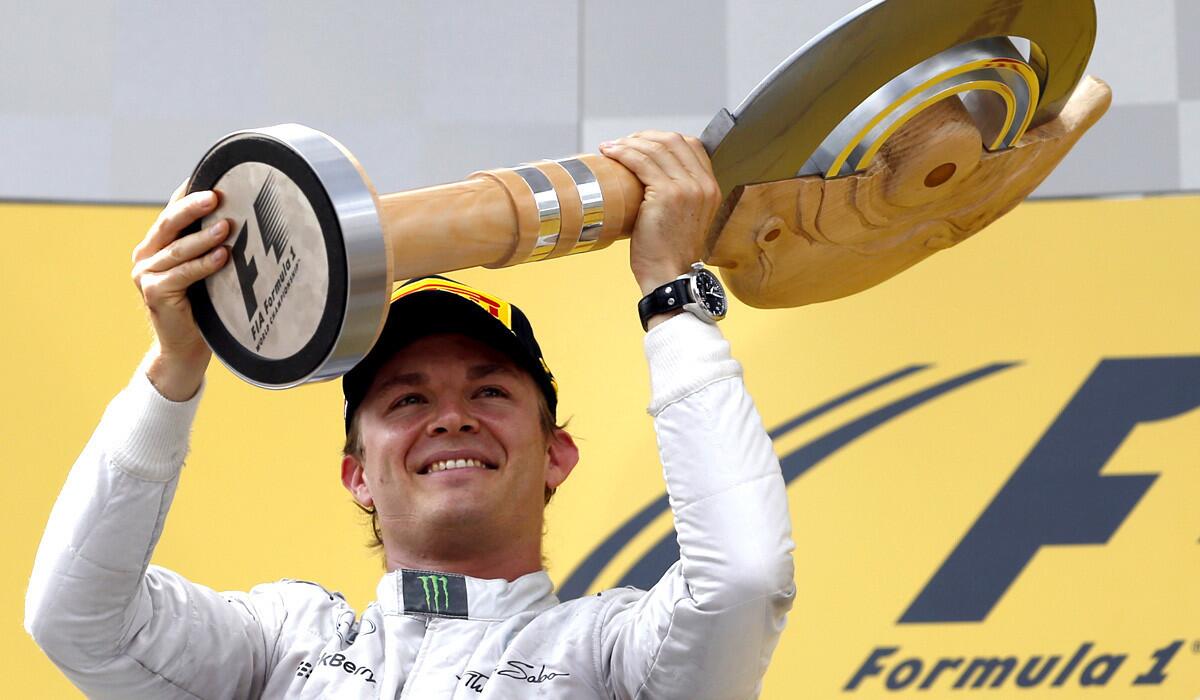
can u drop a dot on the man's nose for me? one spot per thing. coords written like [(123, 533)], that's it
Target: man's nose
[(452, 416)]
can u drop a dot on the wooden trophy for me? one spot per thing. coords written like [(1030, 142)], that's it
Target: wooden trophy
[(897, 132)]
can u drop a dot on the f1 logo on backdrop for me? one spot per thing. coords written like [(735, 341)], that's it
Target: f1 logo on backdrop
[(1056, 496)]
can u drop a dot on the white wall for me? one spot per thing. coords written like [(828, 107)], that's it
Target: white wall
[(106, 100)]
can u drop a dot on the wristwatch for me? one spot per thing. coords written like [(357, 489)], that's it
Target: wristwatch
[(698, 291)]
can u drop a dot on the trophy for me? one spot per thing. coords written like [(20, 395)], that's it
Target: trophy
[(901, 130)]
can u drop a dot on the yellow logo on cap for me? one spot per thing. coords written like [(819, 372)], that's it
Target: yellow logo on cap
[(549, 375), (501, 310)]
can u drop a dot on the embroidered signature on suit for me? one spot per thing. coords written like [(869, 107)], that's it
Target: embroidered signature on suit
[(523, 672)]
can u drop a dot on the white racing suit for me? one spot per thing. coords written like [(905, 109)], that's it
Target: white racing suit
[(119, 628)]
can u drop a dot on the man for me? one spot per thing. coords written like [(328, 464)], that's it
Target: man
[(452, 445)]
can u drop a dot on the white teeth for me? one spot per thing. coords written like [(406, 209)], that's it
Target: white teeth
[(445, 464)]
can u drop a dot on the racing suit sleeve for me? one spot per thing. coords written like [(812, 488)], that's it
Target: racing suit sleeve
[(115, 626), (708, 628)]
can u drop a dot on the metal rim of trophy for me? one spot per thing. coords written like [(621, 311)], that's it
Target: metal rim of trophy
[(826, 110)]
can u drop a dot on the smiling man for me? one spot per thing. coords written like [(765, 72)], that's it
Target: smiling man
[(451, 442), (452, 446)]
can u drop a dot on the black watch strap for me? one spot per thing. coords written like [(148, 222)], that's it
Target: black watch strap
[(670, 296)]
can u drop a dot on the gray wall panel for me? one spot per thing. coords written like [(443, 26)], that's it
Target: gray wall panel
[(497, 67), (1109, 160), (1135, 50), (55, 157), (343, 62), (1189, 145), (56, 59), (653, 58), (116, 100), (1187, 46), (173, 96), (161, 71), (762, 33)]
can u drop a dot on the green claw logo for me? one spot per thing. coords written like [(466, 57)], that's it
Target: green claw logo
[(440, 598)]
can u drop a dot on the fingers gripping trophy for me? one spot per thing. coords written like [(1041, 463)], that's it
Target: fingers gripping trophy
[(901, 130)]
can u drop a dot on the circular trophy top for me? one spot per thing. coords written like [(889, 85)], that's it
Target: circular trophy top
[(305, 292), (773, 133)]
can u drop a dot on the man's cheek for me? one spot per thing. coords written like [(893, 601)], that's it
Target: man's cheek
[(384, 472)]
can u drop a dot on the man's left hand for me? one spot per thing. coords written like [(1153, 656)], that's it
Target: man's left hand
[(680, 201)]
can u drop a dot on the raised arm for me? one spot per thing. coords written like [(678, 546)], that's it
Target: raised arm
[(114, 625), (710, 625)]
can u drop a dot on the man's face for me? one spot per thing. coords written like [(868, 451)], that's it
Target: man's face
[(452, 439)]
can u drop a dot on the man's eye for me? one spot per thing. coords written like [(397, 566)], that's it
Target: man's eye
[(492, 392), (407, 400)]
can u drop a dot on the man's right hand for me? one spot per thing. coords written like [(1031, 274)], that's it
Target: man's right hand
[(163, 268)]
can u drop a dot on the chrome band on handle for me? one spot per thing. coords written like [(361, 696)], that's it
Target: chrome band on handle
[(592, 199), (549, 213)]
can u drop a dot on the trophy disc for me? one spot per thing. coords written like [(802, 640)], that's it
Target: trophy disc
[(855, 83), (300, 299)]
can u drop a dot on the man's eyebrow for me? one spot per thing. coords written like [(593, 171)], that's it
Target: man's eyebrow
[(406, 379), (481, 371)]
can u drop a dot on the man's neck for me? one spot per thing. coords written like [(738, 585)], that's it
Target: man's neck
[(475, 557)]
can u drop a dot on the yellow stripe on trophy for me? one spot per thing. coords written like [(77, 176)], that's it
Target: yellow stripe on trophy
[(1004, 91), (995, 63)]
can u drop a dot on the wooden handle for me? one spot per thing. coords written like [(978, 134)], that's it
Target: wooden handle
[(783, 243), (508, 216)]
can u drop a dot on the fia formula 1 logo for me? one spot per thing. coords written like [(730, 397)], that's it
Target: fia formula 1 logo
[(272, 229)]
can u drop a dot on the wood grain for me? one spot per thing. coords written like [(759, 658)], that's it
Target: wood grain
[(807, 240)]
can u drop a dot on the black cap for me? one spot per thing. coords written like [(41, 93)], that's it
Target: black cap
[(429, 305)]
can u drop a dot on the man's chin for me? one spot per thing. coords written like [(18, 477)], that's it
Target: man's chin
[(457, 516)]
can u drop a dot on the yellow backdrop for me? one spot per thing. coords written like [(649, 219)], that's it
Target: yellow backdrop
[(984, 347)]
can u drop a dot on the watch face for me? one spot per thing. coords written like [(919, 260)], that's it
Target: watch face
[(710, 295)]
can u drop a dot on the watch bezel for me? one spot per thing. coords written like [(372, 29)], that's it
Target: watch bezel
[(698, 301)]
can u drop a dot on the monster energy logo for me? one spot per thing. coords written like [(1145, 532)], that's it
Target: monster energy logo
[(434, 593), (430, 585)]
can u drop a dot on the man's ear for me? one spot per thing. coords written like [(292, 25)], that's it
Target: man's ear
[(563, 456), (354, 479)]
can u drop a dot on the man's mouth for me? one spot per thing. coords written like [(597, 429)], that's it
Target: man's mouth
[(448, 464)]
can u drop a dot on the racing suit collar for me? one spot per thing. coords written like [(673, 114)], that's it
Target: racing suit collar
[(442, 594)]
